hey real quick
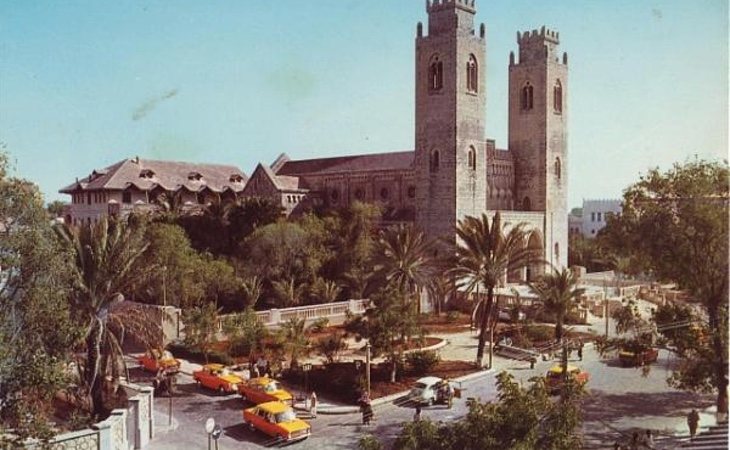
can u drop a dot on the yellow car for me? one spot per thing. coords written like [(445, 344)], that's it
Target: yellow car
[(277, 420), (264, 389), (554, 377), (218, 378), (154, 360)]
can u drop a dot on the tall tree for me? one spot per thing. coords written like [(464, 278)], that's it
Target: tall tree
[(293, 337), (106, 265), (404, 260), (676, 224), (37, 332), (559, 295), (484, 254)]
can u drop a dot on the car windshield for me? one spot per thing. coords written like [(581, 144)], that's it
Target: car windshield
[(166, 355), (223, 372), (419, 386), (271, 387), (286, 416)]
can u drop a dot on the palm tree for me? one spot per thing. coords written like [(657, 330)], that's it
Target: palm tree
[(293, 335), (105, 266), (251, 290), (404, 261), (483, 256), (559, 295), (289, 292)]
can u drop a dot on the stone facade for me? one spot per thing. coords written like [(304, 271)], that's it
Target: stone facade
[(454, 171)]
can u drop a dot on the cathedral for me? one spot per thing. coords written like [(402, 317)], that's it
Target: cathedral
[(454, 171)]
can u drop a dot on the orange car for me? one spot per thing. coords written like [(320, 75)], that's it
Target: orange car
[(154, 360), (217, 378), (277, 420), (630, 358), (554, 377), (264, 389)]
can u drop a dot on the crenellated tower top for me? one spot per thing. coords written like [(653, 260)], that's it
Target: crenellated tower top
[(539, 46), (438, 5)]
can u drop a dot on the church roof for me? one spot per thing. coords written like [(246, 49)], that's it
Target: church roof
[(353, 163), (147, 174)]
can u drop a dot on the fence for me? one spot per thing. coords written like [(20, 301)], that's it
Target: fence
[(125, 429), (334, 312)]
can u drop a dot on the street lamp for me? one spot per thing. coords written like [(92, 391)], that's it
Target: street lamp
[(209, 428), (306, 367)]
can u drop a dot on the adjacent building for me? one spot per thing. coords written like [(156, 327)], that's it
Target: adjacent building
[(595, 214)]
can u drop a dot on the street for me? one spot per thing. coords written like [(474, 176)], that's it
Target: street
[(619, 400)]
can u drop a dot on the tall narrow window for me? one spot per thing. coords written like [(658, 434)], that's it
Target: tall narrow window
[(558, 169), (526, 204), (435, 74), (557, 251), (472, 158), (558, 97), (434, 163), (472, 74), (527, 96)]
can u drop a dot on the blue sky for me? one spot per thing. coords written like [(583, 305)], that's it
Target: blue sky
[(84, 84)]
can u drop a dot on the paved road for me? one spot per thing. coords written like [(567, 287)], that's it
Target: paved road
[(620, 399)]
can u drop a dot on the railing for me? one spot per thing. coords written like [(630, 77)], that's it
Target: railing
[(334, 312)]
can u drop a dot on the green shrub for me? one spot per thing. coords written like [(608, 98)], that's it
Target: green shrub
[(319, 325), (452, 316), (369, 442), (422, 362), (537, 333), (195, 355)]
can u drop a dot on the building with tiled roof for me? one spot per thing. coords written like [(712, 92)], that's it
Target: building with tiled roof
[(136, 183)]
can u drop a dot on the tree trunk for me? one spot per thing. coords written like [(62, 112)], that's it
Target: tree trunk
[(720, 366), (94, 376), (484, 325), (393, 368)]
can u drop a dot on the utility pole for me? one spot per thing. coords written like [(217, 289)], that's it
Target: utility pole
[(367, 367)]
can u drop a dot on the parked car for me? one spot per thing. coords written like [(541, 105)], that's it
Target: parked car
[(505, 315), (154, 360), (632, 358), (217, 378), (430, 390), (264, 389), (277, 420), (554, 377)]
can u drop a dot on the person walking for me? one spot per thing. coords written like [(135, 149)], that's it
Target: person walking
[(313, 404), (693, 419), (417, 415), (580, 350), (649, 439)]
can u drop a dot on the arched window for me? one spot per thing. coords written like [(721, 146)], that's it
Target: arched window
[(435, 74), (472, 158), (359, 194), (558, 97), (434, 163), (334, 195), (384, 194), (411, 191), (527, 97), (558, 168), (526, 204), (472, 74)]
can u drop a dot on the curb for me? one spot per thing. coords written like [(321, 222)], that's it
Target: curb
[(387, 399)]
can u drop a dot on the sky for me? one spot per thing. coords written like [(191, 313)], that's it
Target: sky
[(84, 84)]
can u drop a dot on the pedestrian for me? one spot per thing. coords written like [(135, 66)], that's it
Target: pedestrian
[(256, 372), (693, 419), (417, 415), (649, 439), (580, 350), (261, 365), (532, 363), (366, 408), (313, 404)]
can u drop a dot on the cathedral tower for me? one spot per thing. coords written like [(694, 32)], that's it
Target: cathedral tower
[(538, 87), (450, 150)]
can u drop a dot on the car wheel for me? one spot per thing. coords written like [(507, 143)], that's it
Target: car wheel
[(251, 427), (221, 391), (243, 397)]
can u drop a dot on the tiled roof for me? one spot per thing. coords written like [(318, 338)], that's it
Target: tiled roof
[(147, 174), (282, 182), (354, 163)]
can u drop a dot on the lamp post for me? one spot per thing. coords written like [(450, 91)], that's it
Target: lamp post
[(209, 428), (306, 368), (367, 368)]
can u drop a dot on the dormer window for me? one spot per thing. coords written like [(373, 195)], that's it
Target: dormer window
[(195, 176), (147, 173), (236, 178)]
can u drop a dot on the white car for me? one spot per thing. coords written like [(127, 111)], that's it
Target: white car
[(425, 391), (506, 315)]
